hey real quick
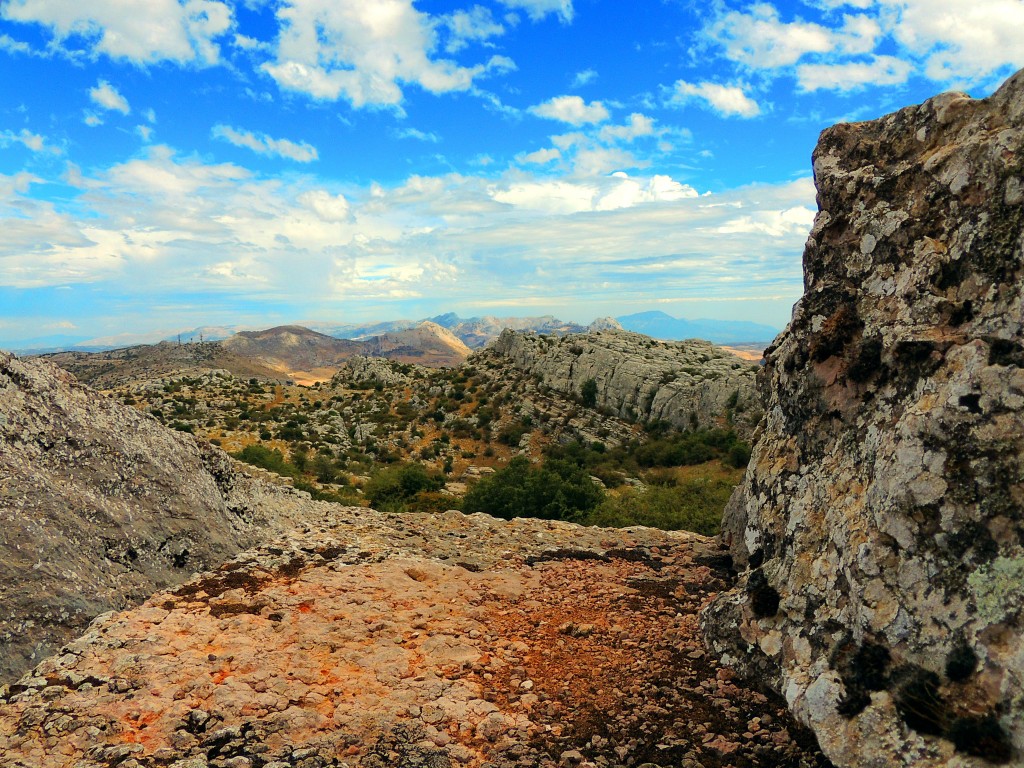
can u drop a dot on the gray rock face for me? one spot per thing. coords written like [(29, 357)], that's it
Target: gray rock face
[(880, 523), (100, 506), (639, 378)]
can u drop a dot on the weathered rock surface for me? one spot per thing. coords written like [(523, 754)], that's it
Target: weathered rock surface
[(638, 378), (100, 506), (410, 641), (881, 520), (372, 370)]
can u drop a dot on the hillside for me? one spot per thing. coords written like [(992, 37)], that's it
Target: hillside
[(121, 367), (428, 344), (295, 352), (101, 506), (285, 353)]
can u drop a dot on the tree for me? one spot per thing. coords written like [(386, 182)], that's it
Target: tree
[(588, 393)]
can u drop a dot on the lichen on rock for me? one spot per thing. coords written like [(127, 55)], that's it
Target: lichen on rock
[(883, 502)]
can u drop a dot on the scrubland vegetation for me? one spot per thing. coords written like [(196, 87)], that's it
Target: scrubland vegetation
[(481, 438)]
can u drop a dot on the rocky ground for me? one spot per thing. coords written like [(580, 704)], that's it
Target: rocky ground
[(377, 640)]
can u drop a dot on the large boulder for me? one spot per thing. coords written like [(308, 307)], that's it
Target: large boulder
[(879, 527)]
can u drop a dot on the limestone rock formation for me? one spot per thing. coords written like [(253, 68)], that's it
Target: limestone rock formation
[(639, 378), (372, 370), (880, 523), (100, 506), (410, 641)]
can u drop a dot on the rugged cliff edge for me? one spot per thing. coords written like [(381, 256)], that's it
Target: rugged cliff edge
[(880, 522), (100, 506), (684, 383)]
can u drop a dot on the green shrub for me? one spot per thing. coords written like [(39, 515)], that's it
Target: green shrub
[(261, 456), (558, 490), (393, 488), (691, 505)]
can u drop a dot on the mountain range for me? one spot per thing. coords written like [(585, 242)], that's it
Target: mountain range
[(474, 332)]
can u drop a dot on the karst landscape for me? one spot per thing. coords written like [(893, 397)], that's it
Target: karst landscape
[(250, 553)]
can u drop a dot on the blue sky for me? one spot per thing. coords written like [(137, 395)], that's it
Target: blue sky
[(267, 161)]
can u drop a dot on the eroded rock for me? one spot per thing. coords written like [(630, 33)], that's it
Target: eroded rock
[(880, 522)]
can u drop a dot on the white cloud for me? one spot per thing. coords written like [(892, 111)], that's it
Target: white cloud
[(145, 33), (639, 125), (541, 156), (162, 224), (265, 145), (761, 40), (959, 39), (572, 110), (538, 9), (956, 42), (9, 44), (145, 132), (726, 100), (331, 208), (418, 135), (31, 141), (363, 52), (92, 119), (465, 27), (849, 76), (583, 78), (107, 96)]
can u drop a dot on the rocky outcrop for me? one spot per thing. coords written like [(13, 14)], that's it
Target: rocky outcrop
[(412, 641), (880, 523), (100, 506), (685, 383), (604, 324), (360, 370)]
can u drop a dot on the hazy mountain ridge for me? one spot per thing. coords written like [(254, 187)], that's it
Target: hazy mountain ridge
[(474, 332)]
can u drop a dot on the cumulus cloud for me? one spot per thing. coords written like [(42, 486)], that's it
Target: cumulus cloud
[(572, 110), (107, 96), (947, 41), (168, 223), (959, 39), (853, 75), (760, 39), (726, 100), (156, 30), (465, 27), (363, 52), (265, 145)]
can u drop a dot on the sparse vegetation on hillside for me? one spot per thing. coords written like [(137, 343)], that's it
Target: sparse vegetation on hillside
[(393, 435)]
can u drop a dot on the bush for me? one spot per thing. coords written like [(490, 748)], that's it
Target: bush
[(588, 393), (392, 489), (559, 490), (691, 505), (261, 456)]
